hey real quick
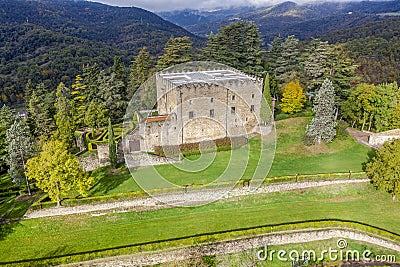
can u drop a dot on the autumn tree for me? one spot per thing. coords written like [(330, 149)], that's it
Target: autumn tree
[(293, 98), (323, 125), (79, 100), (20, 148), (112, 149), (177, 50), (384, 168), (57, 172)]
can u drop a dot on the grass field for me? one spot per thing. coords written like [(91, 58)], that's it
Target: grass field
[(80, 233), (291, 157)]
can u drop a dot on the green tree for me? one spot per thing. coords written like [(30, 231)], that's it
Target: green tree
[(112, 149), (96, 116), (79, 100), (41, 111), (177, 50), (7, 118), (112, 95), (316, 64), (293, 98), (57, 172), (323, 125), (64, 115), (140, 70), (20, 148), (266, 103), (288, 64), (91, 79), (237, 45), (384, 168), (274, 52)]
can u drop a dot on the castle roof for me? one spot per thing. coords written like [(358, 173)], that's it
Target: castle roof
[(204, 76), (157, 118)]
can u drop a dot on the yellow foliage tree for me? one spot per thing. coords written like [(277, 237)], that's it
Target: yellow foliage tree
[(293, 98), (58, 172)]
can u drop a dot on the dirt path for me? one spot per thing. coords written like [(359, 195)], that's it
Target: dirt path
[(180, 199)]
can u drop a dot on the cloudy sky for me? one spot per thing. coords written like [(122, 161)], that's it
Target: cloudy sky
[(164, 5)]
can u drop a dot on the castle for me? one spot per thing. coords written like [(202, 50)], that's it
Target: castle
[(200, 105)]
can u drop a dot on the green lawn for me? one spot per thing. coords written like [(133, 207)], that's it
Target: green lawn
[(291, 157), (80, 233)]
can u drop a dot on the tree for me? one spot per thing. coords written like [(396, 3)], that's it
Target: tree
[(96, 116), (140, 71), (323, 125), (266, 103), (293, 98), (20, 148), (288, 64), (64, 115), (41, 111), (384, 168), (315, 65), (237, 45), (274, 52), (91, 79), (79, 100), (57, 172), (177, 50), (7, 118), (112, 95), (112, 149)]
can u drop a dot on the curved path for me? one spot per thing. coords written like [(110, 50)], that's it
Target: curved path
[(176, 199)]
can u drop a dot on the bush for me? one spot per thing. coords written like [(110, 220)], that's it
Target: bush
[(341, 132)]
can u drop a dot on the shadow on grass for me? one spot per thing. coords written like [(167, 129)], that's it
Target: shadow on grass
[(107, 179)]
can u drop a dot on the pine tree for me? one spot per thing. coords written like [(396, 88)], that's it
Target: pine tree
[(237, 45), (20, 148), (112, 149), (293, 98), (288, 64), (91, 79), (57, 172), (273, 54), (112, 95), (177, 50), (323, 125), (7, 118), (316, 64), (64, 119), (79, 100), (41, 111), (140, 71)]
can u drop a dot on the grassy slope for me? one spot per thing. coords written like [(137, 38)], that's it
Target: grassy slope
[(291, 157), (63, 235)]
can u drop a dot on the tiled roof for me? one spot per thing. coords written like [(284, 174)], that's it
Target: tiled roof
[(157, 118)]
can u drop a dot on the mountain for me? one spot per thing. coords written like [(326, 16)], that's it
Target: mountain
[(307, 20), (50, 40), (188, 17)]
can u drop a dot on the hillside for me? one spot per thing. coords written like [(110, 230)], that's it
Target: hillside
[(308, 20), (51, 40)]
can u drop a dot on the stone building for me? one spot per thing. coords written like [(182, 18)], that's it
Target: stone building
[(198, 106)]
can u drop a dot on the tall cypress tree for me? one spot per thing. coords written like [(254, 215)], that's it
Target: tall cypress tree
[(112, 149)]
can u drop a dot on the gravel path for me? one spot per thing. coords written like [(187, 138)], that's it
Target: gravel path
[(194, 197)]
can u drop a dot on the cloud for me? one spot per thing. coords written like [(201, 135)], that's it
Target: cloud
[(167, 5)]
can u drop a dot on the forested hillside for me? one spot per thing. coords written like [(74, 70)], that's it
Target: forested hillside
[(50, 41)]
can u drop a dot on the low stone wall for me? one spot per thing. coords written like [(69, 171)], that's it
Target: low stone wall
[(378, 139), (240, 245)]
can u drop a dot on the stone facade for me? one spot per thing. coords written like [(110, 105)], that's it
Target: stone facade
[(199, 106)]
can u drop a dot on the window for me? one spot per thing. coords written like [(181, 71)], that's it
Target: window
[(212, 113), (212, 99), (190, 102), (252, 95), (233, 110), (191, 114), (252, 108), (233, 98)]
